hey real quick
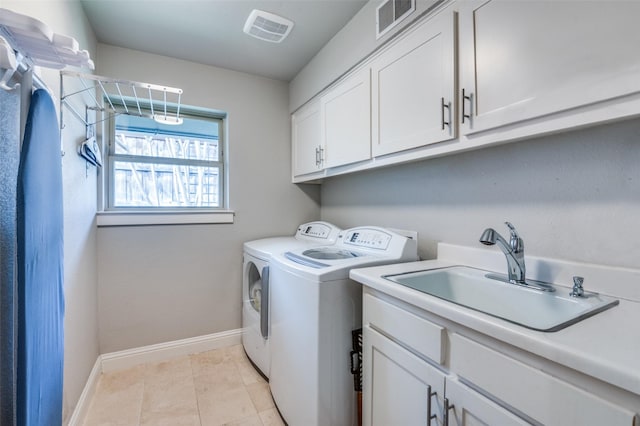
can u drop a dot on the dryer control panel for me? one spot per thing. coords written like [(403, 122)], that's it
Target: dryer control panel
[(370, 238)]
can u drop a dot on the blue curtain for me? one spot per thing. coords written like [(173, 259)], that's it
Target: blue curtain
[(9, 158), (40, 273)]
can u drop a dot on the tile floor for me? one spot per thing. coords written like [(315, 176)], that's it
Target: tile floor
[(212, 388)]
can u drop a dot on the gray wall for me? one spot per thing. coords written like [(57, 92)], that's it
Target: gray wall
[(80, 269), (163, 283), (572, 196), (352, 44)]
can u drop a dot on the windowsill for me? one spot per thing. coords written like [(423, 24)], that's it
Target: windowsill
[(144, 218)]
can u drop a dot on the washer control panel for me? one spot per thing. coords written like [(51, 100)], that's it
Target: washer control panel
[(317, 230), (370, 238)]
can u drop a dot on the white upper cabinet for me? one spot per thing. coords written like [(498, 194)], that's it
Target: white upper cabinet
[(476, 73), (306, 141), (346, 121), (413, 85), (521, 60)]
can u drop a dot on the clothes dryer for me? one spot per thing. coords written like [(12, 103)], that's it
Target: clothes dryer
[(255, 284), (315, 307)]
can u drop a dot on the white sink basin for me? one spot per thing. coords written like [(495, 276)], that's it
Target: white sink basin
[(535, 309)]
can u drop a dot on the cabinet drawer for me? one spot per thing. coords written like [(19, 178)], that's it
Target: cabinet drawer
[(425, 337), (535, 393)]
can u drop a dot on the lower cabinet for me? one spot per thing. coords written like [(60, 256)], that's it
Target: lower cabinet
[(398, 387), (403, 389), (541, 396), (466, 407), (419, 372)]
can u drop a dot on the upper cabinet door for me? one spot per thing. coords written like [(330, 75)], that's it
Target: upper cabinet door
[(521, 60), (305, 138), (413, 88), (346, 121)]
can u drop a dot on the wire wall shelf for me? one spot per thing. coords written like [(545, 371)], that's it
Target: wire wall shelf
[(115, 97)]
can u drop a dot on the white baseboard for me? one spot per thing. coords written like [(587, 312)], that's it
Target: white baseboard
[(163, 351), (131, 357), (82, 407)]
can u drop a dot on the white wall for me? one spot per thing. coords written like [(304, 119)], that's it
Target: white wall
[(572, 196), (162, 283), (80, 270)]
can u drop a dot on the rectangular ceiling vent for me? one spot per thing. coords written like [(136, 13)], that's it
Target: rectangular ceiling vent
[(267, 26), (390, 13)]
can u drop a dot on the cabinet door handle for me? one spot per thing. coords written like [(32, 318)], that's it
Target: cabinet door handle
[(321, 150), (317, 156), (466, 98), (430, 394), (442, 107), (445, 415)]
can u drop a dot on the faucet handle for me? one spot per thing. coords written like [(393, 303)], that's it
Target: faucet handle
[(516, 243), (578, 290)]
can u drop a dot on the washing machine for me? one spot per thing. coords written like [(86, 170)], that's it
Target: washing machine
[(255, 284), (315, 306)]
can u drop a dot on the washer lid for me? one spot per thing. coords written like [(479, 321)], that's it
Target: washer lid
[(330, 253), (303, 260)]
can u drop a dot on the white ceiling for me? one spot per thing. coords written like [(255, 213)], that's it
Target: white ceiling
[(210, 31)]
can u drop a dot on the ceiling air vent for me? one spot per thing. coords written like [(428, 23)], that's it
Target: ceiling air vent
[(390, 13), (267, 26)]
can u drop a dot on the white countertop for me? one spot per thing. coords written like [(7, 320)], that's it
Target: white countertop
[(605, 346)]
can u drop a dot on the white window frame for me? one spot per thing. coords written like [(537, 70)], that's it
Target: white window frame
[(127, 216)]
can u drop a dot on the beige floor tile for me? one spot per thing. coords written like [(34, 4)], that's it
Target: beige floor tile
[(248, 421), (170, 400), (219, 408), (173, 419), (271, 418), (220, 378), (214, 388), (235, 352), (248, 372), (119, 380), (261, 396), (168, 370), (206, 362), (118, 399)]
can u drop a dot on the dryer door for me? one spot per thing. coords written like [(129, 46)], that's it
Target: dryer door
[(264, 308), (254, 282), (256, 295)]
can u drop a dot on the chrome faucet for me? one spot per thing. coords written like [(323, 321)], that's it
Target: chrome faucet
[(513, 250)]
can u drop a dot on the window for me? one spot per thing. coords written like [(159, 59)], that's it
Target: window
[(168, 167)]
